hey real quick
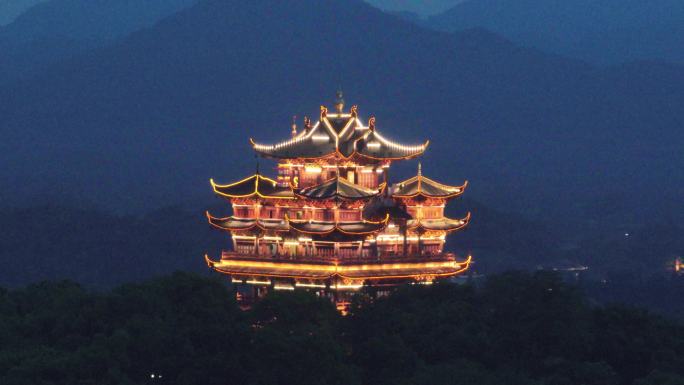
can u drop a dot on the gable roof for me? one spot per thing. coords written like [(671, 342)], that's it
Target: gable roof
[(420, 185), (341, 134)]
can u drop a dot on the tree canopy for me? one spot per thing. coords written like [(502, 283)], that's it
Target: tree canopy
[(517, 328)]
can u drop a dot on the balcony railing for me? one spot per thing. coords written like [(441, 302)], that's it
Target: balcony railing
[(316, 259)]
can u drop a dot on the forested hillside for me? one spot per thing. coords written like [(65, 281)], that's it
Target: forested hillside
[(516, 329)]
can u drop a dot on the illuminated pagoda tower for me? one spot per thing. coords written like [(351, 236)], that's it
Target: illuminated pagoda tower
[(329, 221)]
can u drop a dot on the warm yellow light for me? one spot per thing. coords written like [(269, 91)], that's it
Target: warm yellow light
[(255, 282), (337, 269), (285, 269), (280, 287), (418, 148), (348, 287), (312, 285), (270, 238), (312, 169)]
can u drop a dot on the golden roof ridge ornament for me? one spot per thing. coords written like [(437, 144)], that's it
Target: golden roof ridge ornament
[(339, 101)]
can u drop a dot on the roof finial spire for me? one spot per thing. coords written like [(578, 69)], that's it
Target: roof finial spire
[(339, 101), (294, 125), (420, 169), (257, 165)]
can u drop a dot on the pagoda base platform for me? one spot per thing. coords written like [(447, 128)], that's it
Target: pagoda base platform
[(338, 280), (336, 274)]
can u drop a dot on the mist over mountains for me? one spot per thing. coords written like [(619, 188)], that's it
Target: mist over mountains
[(417, 7), (603, 32), (10, 9), (56, 31)]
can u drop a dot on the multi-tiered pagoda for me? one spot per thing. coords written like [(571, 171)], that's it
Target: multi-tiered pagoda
[(330, 221)]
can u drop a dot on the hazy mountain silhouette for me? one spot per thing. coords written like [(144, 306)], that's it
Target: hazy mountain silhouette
[(147, 121), (100, 249), (10, 9), (606, 31), (56, 30), (418, 7)]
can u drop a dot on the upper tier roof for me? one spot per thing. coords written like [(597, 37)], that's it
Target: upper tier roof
[(426, 187), (341, 134), (338, 187), (255, 185)]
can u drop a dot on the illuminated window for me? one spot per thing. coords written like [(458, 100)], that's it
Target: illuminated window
[(368, 179), (351, 176)]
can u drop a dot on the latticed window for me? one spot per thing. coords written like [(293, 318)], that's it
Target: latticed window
[(348, 252), (349, 215), (432, 212), (268, 212), (244, 248), (295, 214), (431, 249), (244, 212), (325, 251), (319, 215), (368, 179), (309, 179)]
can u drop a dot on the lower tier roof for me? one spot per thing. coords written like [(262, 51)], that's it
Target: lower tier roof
[(233, 223), (443, 224), (272, 267), (302, 226)]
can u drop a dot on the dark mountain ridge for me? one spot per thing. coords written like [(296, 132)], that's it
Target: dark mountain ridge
[(58, 30), (147, 121)]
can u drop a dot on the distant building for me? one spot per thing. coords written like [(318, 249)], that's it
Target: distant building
[(330, 222)]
